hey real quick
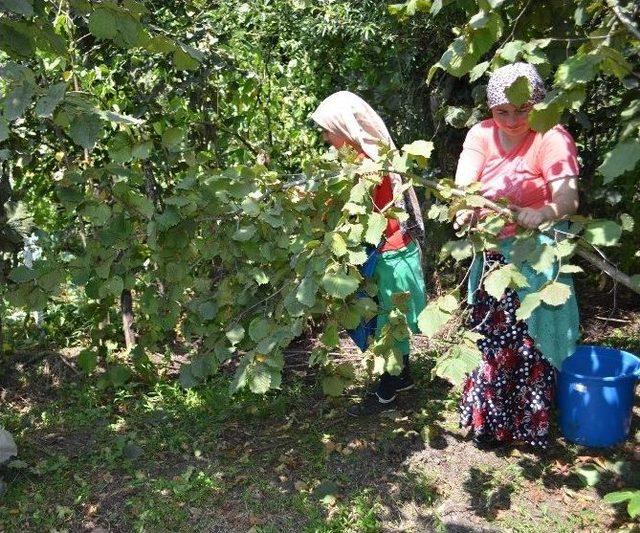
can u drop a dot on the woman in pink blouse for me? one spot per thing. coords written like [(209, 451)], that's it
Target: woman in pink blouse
[(509, 396)]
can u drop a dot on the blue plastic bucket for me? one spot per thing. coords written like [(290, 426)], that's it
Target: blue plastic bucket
[(596, 391), (365, 329)]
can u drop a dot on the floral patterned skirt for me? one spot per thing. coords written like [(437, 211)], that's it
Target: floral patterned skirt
[(509, 396)]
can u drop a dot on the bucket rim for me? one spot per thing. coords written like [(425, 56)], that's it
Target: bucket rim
[(608, 379)]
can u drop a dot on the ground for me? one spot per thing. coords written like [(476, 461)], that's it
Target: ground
[(161, 458)]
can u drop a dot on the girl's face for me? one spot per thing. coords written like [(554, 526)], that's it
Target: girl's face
[(510, 119)]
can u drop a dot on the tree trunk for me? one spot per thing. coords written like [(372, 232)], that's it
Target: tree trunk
[(126, 309)]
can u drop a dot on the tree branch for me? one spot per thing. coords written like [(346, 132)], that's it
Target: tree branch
[(624, 19)]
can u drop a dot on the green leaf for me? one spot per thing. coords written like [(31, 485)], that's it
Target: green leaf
[(21, 7), (460, 361), (497, 281), (619, 496), (330, 336), (459, 250), (250, 207), (113, 286), (448, 303), (17, 101), (457, 60), (589, 474), (306, 293), (22, 274), (160, 44), (528, 304), (172, 138), (120, 148), (580, 16), (4, 130), (340, 285), (602, 233), (633, 507), (85, 130), (87, 361), (545, 116), (457, 116), (118, 375), (235, 334), (337, 244), (570, 269), (419, 148), (623, 158), (519, 91), (376, 224), (50, 281), (142, 150), (564, 249), (555, 293), (493, 224), (47, 104), (483, 38), (259, 328), (477, 71), (432, 318), (183, 61), (357, 257), (627, 222), (334, 385), (358, 193), (102, 24), (577, 69), (259, 378), (510, 51), (542, 258), (207, 310), (244, 233)]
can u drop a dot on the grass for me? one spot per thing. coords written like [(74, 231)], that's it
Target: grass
[(157, 458)]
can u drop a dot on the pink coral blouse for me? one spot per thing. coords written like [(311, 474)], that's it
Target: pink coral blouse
[(521, 175)]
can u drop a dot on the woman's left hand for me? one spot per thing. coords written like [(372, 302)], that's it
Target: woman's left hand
[(528, 217)]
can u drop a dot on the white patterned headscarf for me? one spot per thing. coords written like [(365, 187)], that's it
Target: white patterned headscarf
[(502, 78), (347, 114)]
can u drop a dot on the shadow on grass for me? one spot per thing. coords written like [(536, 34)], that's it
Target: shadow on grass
[(488, 494)]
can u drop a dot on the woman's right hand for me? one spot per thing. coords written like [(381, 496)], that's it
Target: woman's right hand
[(464, 217)]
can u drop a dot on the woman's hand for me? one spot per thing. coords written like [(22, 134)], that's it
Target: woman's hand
[(530, 218), (463, 217)]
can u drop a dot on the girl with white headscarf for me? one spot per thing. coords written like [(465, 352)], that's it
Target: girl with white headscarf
[(345, 118), (510, 395)]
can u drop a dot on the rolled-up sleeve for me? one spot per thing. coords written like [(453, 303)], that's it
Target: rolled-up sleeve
[(472, 158), (558, 155)]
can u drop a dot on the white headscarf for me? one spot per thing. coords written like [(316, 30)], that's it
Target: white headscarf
[(347, 114)]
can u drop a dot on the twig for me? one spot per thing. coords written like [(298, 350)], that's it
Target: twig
[(608, 319), (515, 24), (239, 137), (608, 269), (68, 364), (624, 19)]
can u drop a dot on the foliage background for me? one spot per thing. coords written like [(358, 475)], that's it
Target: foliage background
[(110, 108)]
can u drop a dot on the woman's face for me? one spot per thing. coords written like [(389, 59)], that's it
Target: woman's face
[(510, 119), (334, 139)]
